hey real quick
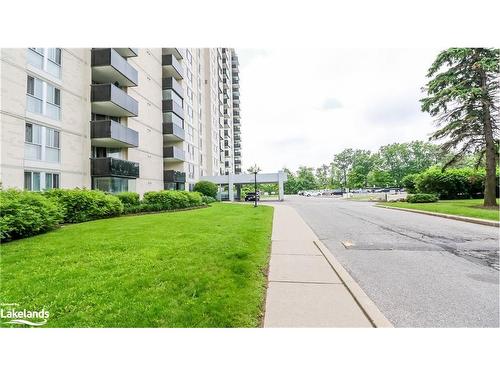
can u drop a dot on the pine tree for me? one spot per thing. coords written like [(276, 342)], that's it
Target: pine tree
[(462, 95)]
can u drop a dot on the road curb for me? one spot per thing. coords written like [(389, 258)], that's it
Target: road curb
[(371, 311), (446, 216)]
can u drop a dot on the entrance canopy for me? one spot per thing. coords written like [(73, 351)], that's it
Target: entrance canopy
[(244, 179)]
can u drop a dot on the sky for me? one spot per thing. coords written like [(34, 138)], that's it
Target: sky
[(301, 106)]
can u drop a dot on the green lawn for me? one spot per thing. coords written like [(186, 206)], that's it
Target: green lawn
[(199, 268), (463, 207)]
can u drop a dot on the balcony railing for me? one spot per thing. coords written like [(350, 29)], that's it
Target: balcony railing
[(108, 133), (127, 52), (173, 153), (107, 99), (173, 84), (179, 53), (173, 176), (170, 105), (109, 67), (173, 132), (111, 167), (172, 67)]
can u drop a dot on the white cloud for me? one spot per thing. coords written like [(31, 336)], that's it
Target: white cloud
[(301, 106)]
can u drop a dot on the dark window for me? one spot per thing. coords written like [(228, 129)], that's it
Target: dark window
[(55, 181), (56, 139), (28, 133), (57, 96), (27, 180), (31, 85)]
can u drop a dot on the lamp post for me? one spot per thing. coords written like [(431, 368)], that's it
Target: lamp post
[(255, 186)]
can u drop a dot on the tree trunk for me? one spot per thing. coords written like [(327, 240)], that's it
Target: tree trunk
[(490, 181)]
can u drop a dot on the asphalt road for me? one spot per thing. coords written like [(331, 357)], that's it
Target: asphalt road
[(420, 270)]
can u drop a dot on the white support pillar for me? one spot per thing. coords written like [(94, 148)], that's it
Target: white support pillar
[(231, 188), (281, 188)]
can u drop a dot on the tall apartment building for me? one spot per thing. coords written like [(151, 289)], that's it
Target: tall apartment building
[(117, 119)]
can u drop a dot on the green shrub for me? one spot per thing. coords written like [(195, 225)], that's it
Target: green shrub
[(171, 200), (129, 198), (206, 188), (421, 198), (452, 183), (208, 200), (84, 205), (409, 183), (24, 214)]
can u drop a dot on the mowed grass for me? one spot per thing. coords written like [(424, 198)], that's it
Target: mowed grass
[(199, 268), (462, 207)]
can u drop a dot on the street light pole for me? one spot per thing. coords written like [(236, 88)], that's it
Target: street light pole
[(255, 187)]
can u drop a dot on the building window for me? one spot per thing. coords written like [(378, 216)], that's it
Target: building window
[(189, 57), (43, 98), (111, 184), (46, 59), (34, 181), (41, 143)]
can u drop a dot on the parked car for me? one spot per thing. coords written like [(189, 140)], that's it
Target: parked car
[(312, 193), (251, 197)]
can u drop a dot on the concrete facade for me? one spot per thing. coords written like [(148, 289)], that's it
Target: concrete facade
[(115, 119)]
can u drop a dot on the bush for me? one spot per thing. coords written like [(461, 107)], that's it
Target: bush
[(84, 205), (207, 188), (171, 200), (452, 183), (208, 200), (128, 198), (24, 214), (422, 198), (409, 183)]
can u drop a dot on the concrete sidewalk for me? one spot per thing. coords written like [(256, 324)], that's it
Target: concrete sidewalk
[(307, 286)]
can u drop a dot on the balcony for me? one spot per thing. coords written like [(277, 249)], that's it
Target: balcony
[(172, 67), (237, 154), (111, 167), (173, 132), (127, 52), (173, 176), (173, 84), (177, 52), (236, 83), (173, 153), (236, 113), (109, 133), (108, 66), (225, 83), (237, 137), (170, 105), (107, 99), (237, 161), (237, 145)]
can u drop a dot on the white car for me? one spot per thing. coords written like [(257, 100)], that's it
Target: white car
[(312, 194)]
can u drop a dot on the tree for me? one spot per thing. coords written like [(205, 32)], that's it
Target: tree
[(324, 176), (462, 95), (306, 179), (206, 188), (401, 159), (290, 186), (362, 164), (343, 162), (379, 178)]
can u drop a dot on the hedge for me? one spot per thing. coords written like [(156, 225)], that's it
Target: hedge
[(83, 205), (207, 188), (422, 198), (24, 214), (171, 200), (451, 183), (129, 198)]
